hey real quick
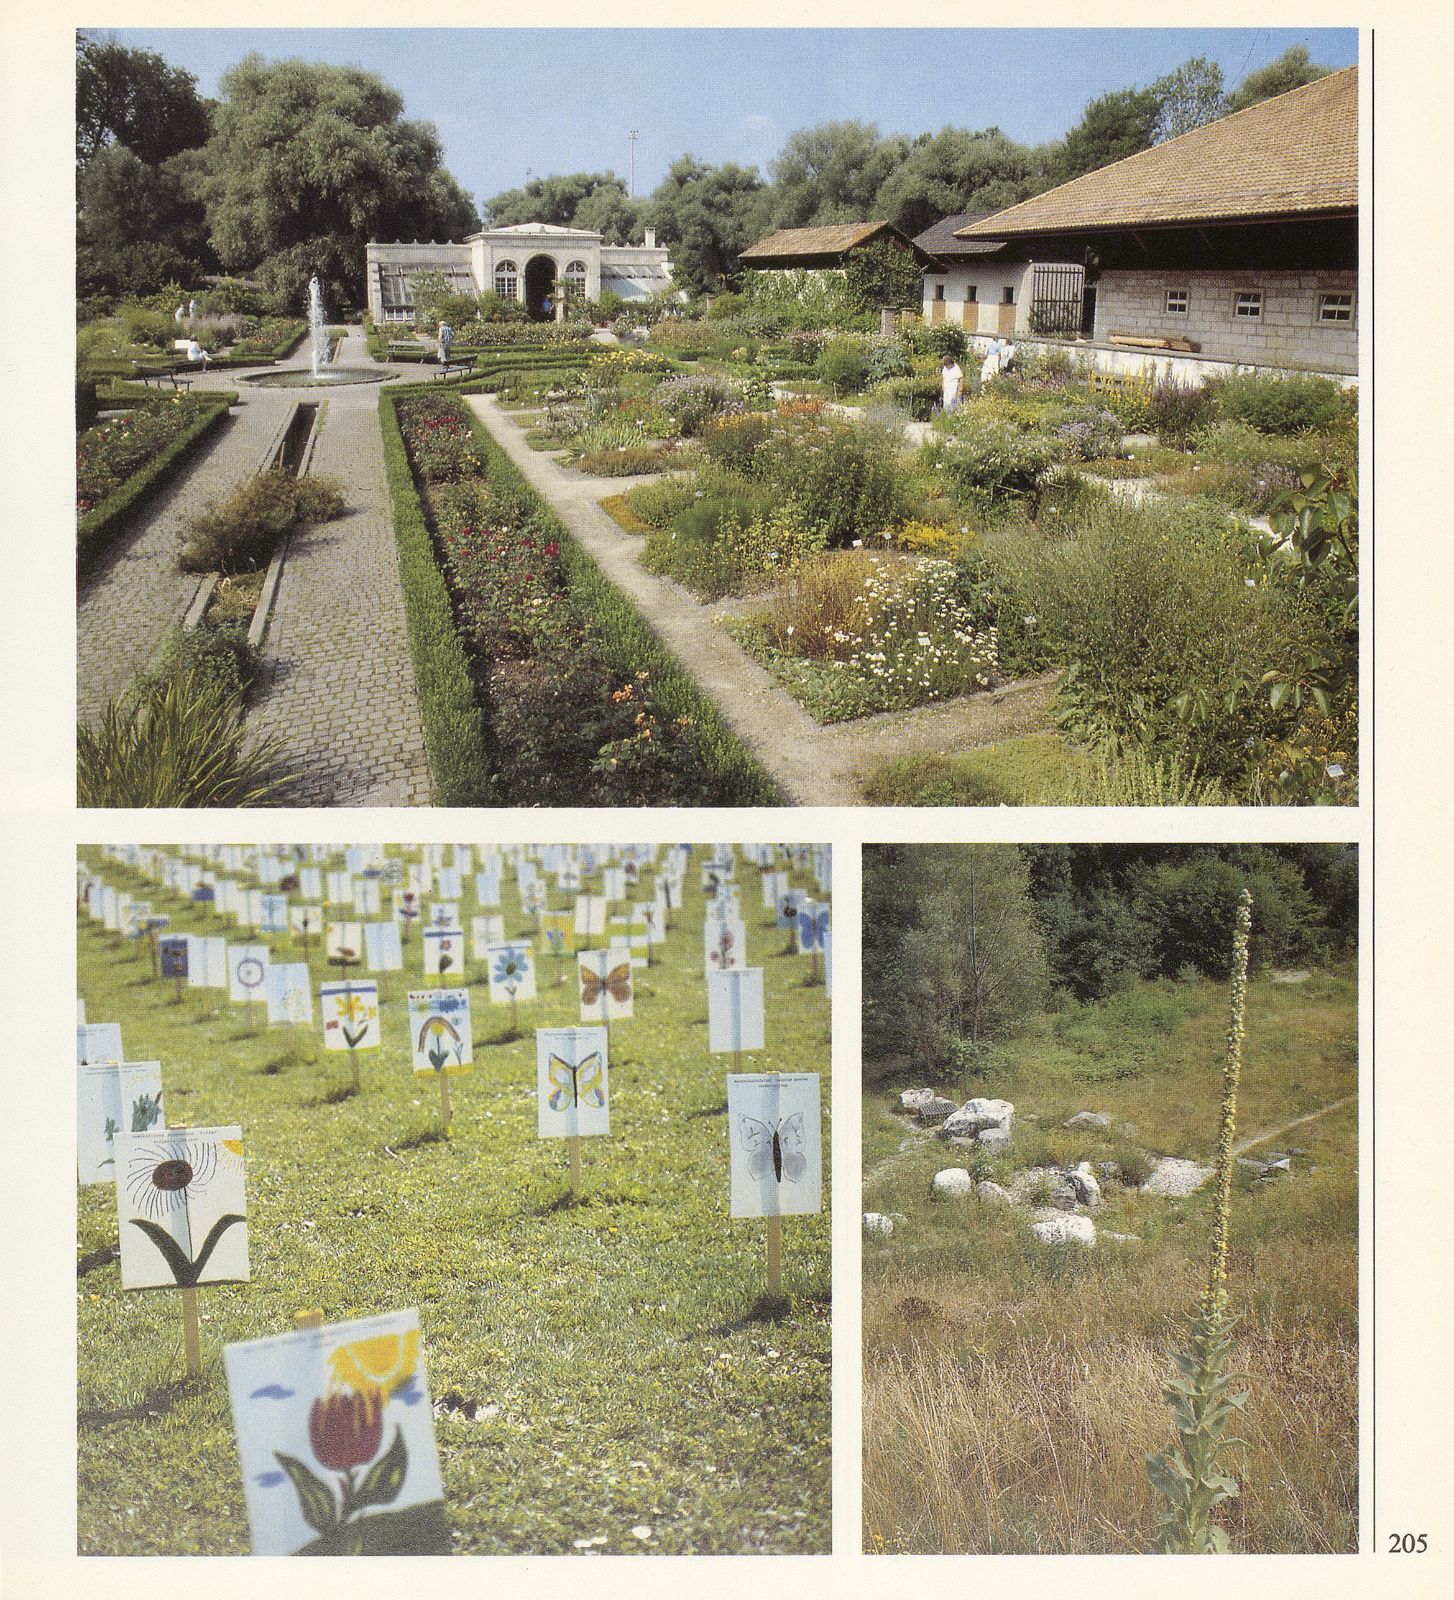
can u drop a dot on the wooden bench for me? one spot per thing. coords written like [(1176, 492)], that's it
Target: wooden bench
[(455, 364), (162, 376)]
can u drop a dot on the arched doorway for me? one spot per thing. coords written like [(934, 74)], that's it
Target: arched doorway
[(540, 287)]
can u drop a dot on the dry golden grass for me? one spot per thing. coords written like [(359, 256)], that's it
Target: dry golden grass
[(1012, 1394), (823, 597)]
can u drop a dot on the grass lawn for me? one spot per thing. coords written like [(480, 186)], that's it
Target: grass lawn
[(619, 1374), (1013, 1391)]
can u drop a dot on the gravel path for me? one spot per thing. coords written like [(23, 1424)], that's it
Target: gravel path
[(134, 595), (339, 683), (1308, 1116), (814, 764)]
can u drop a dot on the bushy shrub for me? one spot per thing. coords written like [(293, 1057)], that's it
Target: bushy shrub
[(943, 340), (915, 395), (694, 400), (1297, 403), (624, 461), (240, 532), (658, 504), (218, 656), (733, 442), (1089, 433), (688, 340), (990, 461), (144, 326), (1178, 410), (842, 476), (843, 366), (802, 299), (887, 358)]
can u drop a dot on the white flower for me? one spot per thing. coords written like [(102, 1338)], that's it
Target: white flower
[(1250, 582)]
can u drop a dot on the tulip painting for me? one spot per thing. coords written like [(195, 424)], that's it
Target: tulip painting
[(336, 1439)]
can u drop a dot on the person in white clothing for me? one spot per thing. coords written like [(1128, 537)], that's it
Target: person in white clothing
[(951, 381)]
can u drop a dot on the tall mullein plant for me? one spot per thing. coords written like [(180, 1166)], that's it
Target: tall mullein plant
[(1204, 1397)]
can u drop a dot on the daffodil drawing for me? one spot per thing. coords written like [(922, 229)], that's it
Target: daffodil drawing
[(350, 1015)]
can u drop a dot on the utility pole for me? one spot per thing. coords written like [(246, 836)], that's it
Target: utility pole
[(633, 136)]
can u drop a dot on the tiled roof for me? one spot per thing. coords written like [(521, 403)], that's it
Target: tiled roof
[(824, 241), (1297, 152), (940, 239)]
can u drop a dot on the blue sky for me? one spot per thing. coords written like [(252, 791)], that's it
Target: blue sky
[(511, 101)]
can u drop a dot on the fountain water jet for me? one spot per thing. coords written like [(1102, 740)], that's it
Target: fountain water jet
[(316, 325)]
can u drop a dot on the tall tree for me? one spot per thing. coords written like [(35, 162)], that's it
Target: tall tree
[(1190, 97), (833, 173), (1292, 69), (708, 215), (1111, 128), (134, 98), (953, 171), (307, 163), (554, 200)]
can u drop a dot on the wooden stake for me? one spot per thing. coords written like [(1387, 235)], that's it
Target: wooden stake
[(775, 1256), (191, 1333), (353, 1062), (514, 1014), (444, 1106), (573, 1145), (308, 1319)]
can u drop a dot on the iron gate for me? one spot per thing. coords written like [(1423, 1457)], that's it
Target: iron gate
[(1056, 299)]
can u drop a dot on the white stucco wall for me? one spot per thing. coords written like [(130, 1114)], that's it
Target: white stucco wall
[(987, 312), (1287, 334)]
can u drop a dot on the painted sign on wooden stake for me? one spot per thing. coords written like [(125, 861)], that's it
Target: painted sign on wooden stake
[(98, 1041), (776, 1144), (606, 985), (734, 1010), (439, 1031), (572, 1093), (122, 1097), (350, 1015), (181, 1207)]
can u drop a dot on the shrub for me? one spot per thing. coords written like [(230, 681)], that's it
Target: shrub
[(182, 741), (945, 340), (843, 366), (696, 399), (689, 340), (1178, 410), (1090, 432), (990, 461), (624, 461), (219, 656), (658, 504), (917, 395), (1138, 778), (1283, 405), (241, 532), (733, 442), (842, 476)]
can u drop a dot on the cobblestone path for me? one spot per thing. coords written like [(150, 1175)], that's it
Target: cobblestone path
[(134, 595), (339, 679)]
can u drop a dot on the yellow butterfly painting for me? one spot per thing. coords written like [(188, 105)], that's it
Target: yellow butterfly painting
[(581, 1083)]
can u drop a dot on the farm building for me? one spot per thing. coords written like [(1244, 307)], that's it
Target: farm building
[(996, 286), (826, 249), (1237, 241), (522, 263)]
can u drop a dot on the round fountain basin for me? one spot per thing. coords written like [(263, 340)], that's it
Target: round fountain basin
[(329, 378)]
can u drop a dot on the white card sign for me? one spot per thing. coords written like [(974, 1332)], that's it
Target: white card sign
[(181, 1207), (607, 987), (734, 1010), (350, 1015), (439, 1031), (125, 1097), (776, 1144), (572, 1094)]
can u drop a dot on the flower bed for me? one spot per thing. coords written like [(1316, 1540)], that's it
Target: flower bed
[(118, 463), (581, 704)]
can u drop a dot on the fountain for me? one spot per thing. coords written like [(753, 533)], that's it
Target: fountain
[(321, 370)]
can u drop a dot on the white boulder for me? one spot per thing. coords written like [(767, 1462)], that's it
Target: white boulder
[(974, 1116), (1173, 1176), (1056, 1227), (1090, 1119), (992, 1194), (993, 1140), (951, 1184), (876, 1222), (911, 1099), (1086, 1185)]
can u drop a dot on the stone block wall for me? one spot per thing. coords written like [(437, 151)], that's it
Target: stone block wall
[(1287, 334)]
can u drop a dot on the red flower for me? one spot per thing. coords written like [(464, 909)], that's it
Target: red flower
[(346, 1430)]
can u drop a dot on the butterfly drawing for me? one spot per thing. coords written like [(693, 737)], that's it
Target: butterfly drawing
[(777, 1149), (573, 1084), (616, 983)]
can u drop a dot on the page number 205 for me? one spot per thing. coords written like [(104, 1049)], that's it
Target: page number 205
[(1407, 1544)]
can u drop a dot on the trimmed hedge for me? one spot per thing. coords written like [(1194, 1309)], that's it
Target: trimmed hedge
[(102, 523), (454, 724), (630, 646)]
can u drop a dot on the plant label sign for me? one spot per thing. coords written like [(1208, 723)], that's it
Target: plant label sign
[(512, 972), (811, 927), (724, 944), (289, 991), (443, 951), (335, 1435), (590, 919), (606, 985), (247, 971), (344, 942), (439, 1031), (111, 1099), (207, 962), (350, 1015), (98, 1041), (776, 1144), (486, 930), (181, 1207), (175, 951), (572, 1096), (383, 947), (734, 1010)]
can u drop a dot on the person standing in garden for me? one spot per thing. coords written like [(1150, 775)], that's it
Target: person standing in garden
[(446, 338), (951, 381)]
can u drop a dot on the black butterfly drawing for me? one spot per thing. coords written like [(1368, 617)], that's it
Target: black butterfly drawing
[(777, 1149), (574, 1083)]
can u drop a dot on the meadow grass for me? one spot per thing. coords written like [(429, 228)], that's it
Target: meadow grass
[(637, 1380), (1012, 1392)]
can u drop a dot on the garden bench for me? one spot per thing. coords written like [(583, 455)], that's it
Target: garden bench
[(455, 364), (162, 375)]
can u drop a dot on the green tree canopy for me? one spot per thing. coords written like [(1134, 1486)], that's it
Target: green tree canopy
[(833, 173), (1292, 69), (133, 98), (307, 163), (1111, 128), (1190, 97), (953, 171), (708, 215)]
